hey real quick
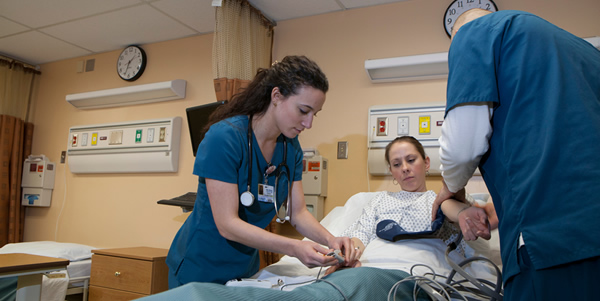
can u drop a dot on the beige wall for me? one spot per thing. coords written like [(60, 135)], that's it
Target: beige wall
[(119, 210)]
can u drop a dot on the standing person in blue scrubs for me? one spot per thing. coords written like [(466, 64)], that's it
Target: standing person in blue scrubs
[(523, 105), (250, 157)]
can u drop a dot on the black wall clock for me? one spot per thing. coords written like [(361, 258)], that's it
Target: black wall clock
[(131, 63)]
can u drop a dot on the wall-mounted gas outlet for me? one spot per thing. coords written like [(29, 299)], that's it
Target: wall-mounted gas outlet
[(342, 150)]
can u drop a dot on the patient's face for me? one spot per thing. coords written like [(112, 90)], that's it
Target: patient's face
[(408, 166)]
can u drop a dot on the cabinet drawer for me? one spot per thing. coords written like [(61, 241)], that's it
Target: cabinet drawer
[(97, 293), (119, 273)]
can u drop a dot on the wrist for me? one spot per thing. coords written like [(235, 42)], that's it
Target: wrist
[(460, 211)]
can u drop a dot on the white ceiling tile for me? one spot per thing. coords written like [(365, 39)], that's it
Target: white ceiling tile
[(38, 13), (8, 27), (290, 9), (110, 31), (35, 48), (199, 15), (40, 31), (364, 3)]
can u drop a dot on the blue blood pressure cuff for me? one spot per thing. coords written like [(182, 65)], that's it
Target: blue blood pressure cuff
[(390, 230)]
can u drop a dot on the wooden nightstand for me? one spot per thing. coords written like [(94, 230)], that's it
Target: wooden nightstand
[(128, 273)]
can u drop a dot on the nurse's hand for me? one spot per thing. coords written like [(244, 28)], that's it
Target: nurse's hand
[(312, 254), (490, 210), (351, 248), (474, 223)]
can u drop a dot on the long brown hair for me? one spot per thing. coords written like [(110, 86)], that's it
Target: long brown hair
[(292, 73)]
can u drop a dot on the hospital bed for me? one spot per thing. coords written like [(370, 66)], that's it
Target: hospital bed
[(56, 285), (384, 264)]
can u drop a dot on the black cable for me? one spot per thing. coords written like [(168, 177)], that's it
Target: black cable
[(493, 294)]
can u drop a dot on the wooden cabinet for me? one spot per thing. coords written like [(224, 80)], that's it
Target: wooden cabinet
[(128, 273)]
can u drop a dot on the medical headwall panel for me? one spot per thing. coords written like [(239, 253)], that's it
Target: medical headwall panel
[(386, 122), (125, 147)]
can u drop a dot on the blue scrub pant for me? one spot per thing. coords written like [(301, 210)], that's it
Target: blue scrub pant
[(572, 281), (173, 282)]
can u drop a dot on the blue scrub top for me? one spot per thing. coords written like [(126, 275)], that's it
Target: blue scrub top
[(542, 167), (198, 252)]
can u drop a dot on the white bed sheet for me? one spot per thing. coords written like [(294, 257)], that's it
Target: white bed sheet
[(81, 268), (384, 254)]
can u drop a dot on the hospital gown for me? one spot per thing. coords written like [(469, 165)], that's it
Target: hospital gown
[(411, 210)]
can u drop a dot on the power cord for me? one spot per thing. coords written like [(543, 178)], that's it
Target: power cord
[(319, 280), (479, 289)]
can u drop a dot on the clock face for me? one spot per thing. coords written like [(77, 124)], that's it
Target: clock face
[(457, 7), (131, 63)]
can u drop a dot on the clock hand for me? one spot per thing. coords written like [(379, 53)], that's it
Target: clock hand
[(129, 62)]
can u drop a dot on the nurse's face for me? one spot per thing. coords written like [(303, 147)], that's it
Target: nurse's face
[(408, 167), (296, 112)]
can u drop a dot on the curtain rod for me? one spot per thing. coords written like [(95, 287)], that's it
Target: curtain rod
[(266, 21), (15, 61)]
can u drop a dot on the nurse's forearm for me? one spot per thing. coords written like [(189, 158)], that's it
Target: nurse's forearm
[(255, 237), (307, 225)]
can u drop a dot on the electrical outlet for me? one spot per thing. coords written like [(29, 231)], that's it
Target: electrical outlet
[(342, 150), (63, 156)]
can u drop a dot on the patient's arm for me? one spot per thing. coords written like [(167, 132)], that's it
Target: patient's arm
[(473, 221)]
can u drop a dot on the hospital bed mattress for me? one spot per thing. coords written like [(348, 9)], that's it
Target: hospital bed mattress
[(80, 268), (384, 264), (362, 283)]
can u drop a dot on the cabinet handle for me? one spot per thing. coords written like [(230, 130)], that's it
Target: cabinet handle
[(117, 274)]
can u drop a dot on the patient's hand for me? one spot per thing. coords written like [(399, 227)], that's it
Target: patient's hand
[(474, 223), (342, 266)]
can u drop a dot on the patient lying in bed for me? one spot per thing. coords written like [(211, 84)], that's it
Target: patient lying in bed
[(408, 211)]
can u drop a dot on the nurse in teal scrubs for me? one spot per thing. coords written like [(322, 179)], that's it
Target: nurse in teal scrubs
[(523, 105), (249, 164)]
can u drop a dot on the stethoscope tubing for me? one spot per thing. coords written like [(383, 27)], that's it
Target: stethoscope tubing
[(247, 198)]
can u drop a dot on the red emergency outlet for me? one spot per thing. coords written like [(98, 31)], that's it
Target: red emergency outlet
[(382, 124)]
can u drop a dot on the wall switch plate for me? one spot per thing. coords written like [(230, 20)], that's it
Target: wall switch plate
[(342, 150)]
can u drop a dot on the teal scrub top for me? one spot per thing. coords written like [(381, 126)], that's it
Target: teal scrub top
[(198, 252), (542, 167)]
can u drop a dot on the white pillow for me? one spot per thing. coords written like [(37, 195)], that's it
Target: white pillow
[(341, 218), (70, 251)]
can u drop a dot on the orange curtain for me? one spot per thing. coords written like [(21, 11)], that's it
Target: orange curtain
[(225, 88), (15, 145), (243, 42), (17, 82)]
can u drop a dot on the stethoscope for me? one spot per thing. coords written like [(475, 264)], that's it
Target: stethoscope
[(247, 198)]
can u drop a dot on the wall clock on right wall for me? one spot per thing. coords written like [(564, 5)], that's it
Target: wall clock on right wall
[(457, 7)]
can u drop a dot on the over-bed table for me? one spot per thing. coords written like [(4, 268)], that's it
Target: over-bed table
[(29, 269)]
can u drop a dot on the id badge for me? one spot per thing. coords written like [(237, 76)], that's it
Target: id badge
[(265, 193)]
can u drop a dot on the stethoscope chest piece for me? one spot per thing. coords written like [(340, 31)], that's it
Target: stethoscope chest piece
[(247, 198)]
